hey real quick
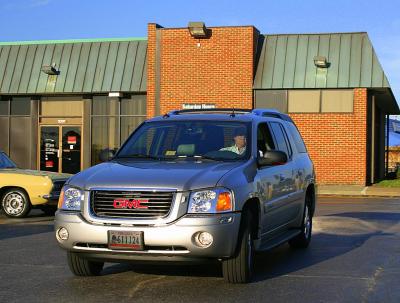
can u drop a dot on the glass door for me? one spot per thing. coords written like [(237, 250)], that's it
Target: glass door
[(60, 149), (49, 148), (71, 149)]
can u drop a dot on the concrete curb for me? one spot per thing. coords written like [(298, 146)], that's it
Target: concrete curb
[(355, 190)]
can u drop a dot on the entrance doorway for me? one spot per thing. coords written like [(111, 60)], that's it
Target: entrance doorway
[(60, 149)]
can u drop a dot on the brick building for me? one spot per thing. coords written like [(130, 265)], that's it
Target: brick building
[(332, 85)]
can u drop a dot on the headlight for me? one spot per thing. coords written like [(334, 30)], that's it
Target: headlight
[(210, 201), (70, 198)]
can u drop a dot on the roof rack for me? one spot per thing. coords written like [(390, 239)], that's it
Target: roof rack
[(212, 111), (263, 112), (271, 113)]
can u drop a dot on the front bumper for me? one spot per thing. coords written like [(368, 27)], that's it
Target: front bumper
[(169, 242)]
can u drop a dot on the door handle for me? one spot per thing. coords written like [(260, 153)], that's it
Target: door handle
[(58, 153)]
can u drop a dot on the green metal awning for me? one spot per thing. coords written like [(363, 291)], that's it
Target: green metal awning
[(287, 61), (85, 66)]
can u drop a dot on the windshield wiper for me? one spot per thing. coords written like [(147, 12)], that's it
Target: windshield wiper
[(197, 157), (143, 156)]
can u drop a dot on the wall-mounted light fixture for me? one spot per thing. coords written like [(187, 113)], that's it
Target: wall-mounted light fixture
[(50, 69), (197, 29), (115, 94), (321, 61)]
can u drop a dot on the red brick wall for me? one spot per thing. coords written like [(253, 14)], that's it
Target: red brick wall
[(337, 142), (151, 61), (219, 72)]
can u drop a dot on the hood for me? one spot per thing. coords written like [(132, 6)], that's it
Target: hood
[(51, 175), (181, 175)]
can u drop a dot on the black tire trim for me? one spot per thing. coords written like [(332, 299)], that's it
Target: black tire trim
[(24, 195), (83, 267), (235, 269)]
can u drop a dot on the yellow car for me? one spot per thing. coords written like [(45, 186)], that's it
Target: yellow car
[(23, 189)]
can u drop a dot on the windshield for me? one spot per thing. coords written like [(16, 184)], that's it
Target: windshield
[(6, 162), (215, 140)]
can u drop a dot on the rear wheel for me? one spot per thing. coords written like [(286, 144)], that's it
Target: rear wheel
[(83, 267), (15, 203), (303, 239), (239, 269)]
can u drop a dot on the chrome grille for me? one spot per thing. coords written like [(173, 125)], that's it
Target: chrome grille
[(123, 204)]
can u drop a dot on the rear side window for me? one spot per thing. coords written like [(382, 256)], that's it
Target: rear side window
[(298, 140), (281, 139)]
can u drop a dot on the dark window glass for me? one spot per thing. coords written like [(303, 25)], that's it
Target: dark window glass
[(105, 135), (136, 105), (21, 106), (4, 133), (298, 140), (182, 139), (128, 125), (71, 149), (281, 141), (264, 139), (103, 105), (4, 108), (20, 141), (49, 148)]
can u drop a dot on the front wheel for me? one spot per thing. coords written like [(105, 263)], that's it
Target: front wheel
[(83, 267), (303, 239), (15, 203), (239, 269)]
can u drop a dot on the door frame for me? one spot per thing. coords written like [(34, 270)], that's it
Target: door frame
[(60, 126)]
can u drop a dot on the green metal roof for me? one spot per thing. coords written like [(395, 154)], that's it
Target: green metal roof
[(287, 61), (86, 66)]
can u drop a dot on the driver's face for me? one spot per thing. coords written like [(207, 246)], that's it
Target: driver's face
[(240, 141)]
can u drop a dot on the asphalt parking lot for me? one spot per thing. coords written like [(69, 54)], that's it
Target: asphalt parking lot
[(354, 257)]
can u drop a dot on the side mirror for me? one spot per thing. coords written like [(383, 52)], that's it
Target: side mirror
[(106, 155), (275, 157)]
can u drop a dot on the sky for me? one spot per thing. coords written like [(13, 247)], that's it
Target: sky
[(22, 20)]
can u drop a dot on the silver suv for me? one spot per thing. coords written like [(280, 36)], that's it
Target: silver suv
[(192, 185)]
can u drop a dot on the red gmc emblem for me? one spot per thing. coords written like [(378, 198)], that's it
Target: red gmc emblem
[(126, 203)]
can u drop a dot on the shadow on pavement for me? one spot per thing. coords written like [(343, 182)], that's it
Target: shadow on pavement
[(281, 260), (370, 216), (211, 269), (8, 231)]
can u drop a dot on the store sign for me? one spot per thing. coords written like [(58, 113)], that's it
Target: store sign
[(71, 139), (198, 106)]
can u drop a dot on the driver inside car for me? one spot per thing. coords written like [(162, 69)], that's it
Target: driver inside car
[(239, 138)]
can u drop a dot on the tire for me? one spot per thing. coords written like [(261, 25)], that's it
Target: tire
[(303, 239), (83, 267), (239, 269), (15, 203)]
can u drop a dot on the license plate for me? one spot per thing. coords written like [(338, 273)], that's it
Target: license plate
[(125, 240)]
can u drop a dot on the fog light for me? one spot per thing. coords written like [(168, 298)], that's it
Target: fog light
[(204, 239), (62, 233)]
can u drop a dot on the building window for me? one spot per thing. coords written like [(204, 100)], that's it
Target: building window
[(271, 99), (20, 106), (304, 101), (113, 120), (4, 107), (105, 106), (337, 101)]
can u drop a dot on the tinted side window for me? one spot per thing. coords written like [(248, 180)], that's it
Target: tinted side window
[(298, 140), (280, 138), (264, 139)]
